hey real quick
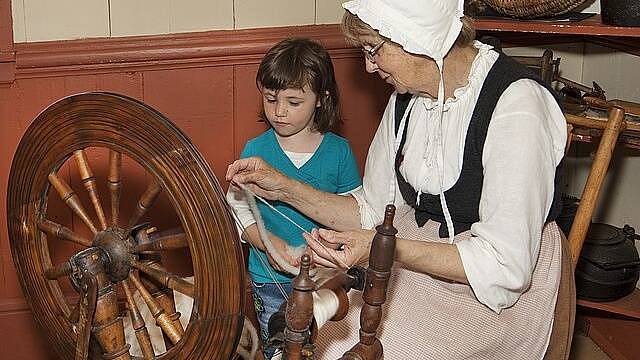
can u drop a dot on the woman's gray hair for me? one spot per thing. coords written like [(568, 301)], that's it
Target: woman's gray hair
[(355, 30)]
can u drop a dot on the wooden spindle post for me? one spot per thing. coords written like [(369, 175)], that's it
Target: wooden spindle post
[(375, 290), (299, 314)]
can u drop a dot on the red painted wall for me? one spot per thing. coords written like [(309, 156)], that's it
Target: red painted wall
[(202, 82)]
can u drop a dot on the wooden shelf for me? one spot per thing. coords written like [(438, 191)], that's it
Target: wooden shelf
[(617, 337), (627, 306), (514, 32), (591, 26)]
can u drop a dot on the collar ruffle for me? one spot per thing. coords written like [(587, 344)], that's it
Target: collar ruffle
[(480, 66)]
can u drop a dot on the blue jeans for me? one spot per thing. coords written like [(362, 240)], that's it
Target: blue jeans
[(267, 299)]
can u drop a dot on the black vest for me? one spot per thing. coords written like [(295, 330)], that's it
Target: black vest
[(463, 198)]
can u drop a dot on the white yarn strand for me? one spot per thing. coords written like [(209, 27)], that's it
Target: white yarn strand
[(265, 266), (251, 194), (275, 254)]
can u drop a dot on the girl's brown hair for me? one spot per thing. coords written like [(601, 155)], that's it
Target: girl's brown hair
[(296, 62)]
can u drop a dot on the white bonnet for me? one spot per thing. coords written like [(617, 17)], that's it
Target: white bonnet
[(426, 27)]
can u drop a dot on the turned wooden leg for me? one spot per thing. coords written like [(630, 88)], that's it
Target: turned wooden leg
[(299, 315), (375, 290)]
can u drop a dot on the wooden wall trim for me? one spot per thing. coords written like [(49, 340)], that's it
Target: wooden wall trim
[(55, 58), (13, 304), (7, 55)]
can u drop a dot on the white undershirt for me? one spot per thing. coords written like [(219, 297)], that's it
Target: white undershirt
[(524, 144), (298, 158)]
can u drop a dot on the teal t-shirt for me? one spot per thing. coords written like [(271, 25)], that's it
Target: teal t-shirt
[(332, 168)]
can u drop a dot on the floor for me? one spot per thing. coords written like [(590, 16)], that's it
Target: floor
[(585, 349)]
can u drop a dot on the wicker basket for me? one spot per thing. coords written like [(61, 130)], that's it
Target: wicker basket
[(533, 8)]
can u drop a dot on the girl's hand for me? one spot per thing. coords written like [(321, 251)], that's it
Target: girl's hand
[(340, 249), (259, 177), (289, 254)]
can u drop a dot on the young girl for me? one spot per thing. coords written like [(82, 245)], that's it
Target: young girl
[(300, 103)]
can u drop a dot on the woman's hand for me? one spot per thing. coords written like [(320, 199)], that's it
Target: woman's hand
[(259, 177), (340, 249)]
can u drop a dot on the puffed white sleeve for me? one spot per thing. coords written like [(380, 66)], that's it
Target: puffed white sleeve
[(524, 145), (378, 182)]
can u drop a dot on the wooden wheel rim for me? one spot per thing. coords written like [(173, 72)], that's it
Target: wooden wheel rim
[(138, 131)]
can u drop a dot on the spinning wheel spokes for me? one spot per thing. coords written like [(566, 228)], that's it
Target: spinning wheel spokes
[(163, 319), (58, 271), (142, 335), (123, 264), (62, 232), (165, 278), (144, 204), (114, 184), (89, 182), (71, 199), (161, 241), (115, 254)]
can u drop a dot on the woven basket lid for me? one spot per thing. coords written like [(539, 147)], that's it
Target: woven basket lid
[(533, 8)]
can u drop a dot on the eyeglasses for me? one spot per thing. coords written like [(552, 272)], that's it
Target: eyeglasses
[(369, 54)]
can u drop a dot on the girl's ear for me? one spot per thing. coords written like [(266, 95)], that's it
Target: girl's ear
[(319, 101)]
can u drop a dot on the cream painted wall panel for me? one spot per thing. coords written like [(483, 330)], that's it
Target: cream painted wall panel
[(594, 6), (617, 72), (570, 57), (140, 17), (263, 13), (200, 15), (65, 19), (17, 14), (329, 11)]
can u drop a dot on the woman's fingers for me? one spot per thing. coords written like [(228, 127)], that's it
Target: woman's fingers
[(256, 188), (330, 238), (326, 256), (323, 262), (241, 165), (259, 177)]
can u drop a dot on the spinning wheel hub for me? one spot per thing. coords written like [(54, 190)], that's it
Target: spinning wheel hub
[(88, 261), (118, 249)]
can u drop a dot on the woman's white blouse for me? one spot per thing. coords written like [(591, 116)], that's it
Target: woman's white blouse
[(525, 142)]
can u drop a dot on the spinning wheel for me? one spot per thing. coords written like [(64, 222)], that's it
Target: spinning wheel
[(120, 256)]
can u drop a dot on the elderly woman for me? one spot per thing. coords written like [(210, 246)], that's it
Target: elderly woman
[(467, 150)]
